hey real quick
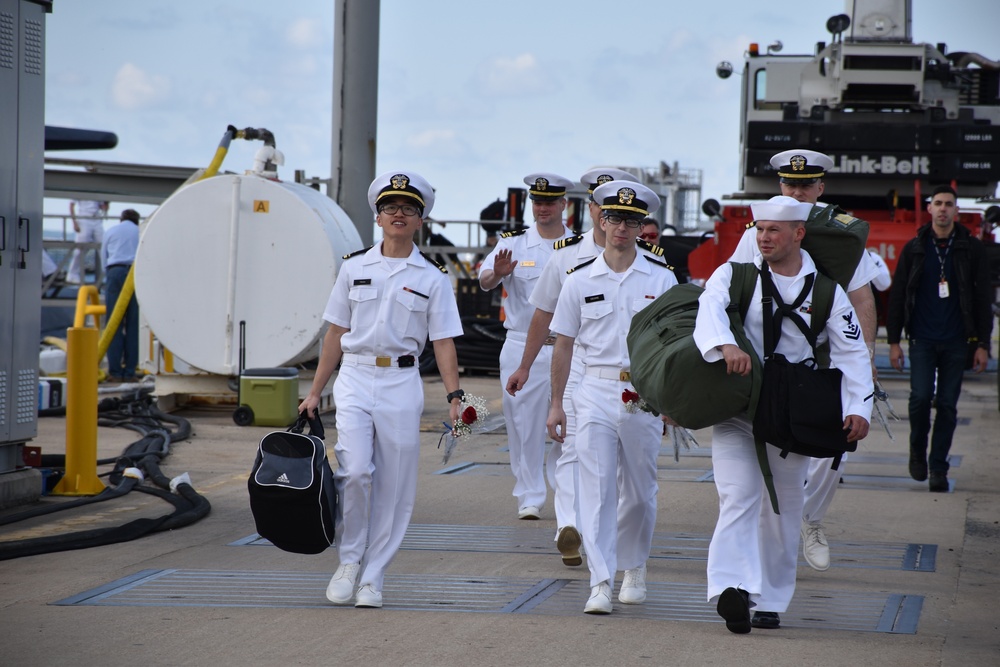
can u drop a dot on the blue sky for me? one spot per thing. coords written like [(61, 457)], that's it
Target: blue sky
[(472, 95)]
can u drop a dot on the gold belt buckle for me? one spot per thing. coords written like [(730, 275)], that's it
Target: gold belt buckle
[(625, 376), (383, 362)]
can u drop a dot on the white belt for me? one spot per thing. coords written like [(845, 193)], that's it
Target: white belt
[(609, 373), (408, 361), (523, 337)]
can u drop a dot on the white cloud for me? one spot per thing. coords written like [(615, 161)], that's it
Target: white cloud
[(435, 141), (517, 76), (134, 88), (304, 34)]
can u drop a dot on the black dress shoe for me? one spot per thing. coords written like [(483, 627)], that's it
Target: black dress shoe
[(939, 482), (765, 619), (734, 606), (918, 469)]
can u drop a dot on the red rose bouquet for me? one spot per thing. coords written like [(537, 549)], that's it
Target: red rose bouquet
[(471, 416), (633, 402)]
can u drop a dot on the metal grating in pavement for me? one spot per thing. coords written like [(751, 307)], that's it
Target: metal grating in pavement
[(670, 546), (665, 601)]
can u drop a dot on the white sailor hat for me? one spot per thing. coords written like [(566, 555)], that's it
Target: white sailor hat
[(781, 208), (547, 187), (602, 175), (401, 183), (626, 197), (801, 166)]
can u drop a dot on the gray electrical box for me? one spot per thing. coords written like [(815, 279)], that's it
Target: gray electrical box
[(22, 145)]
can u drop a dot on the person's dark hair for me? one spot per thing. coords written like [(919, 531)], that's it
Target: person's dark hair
[(131, 214), (942, 189), (651, 221)]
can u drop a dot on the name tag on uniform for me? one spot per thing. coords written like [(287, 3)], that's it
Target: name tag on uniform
[(363, 281), (528, 262), (593, 297), (943, 289)]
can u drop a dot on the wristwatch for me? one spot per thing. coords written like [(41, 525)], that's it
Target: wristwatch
[(458, 393)]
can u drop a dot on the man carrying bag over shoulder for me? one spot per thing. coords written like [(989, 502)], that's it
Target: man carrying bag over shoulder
[(741, 572)]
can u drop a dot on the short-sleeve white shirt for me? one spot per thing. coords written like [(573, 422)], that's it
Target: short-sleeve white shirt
[(546, 292), (392, 309), (532, 253), (596, 306)]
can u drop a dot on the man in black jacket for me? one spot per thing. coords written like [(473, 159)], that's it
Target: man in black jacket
[(941, 293)]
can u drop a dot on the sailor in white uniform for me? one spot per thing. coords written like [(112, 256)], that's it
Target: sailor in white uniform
[(752, 555), (800, 174), (88, 223), (517, 262), (387, 301), (561, 462), (614, 439)]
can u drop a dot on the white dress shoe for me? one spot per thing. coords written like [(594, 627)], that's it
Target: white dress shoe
[(341, 587), (815, 547), (529, 512), (633, 590), (600, 599), (568, 543), (368, 597)]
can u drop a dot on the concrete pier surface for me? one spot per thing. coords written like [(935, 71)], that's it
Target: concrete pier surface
[(915, 576)]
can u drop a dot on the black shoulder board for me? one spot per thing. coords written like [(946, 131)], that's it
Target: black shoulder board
[(565, 243), (656, 261), (440, 267), (580, 266), (516, 232), (751, 224), (649, 247), (358, 252)]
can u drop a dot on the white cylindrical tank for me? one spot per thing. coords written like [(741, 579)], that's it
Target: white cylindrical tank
[(238, 248)]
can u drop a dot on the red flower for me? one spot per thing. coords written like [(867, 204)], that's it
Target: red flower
[(629, 396), (469, 415)]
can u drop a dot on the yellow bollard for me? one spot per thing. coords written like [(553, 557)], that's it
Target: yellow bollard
[(81, 414)]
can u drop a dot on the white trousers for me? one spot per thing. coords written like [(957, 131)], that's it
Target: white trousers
[(617, 531), (561, 465), (525, 416), (821, 484), (91, 231), (378, 446), (752, 547)]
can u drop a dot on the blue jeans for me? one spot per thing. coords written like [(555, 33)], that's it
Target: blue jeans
[(947, 362), (123, 350)]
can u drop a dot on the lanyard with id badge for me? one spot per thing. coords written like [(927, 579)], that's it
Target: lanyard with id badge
[(943, 291)]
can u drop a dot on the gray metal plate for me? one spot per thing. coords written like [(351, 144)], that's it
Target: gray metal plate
[(671, 546), (665, 601)]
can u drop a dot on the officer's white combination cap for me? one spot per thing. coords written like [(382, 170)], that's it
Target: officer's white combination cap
[(399, 183), (602, 175), (626, 197), (781, 208), (546, 187), (801, 165)]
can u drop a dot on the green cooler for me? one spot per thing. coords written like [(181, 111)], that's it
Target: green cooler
[(268, 397)]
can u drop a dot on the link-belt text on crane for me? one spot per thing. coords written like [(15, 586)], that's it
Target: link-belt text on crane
[(885, 164)]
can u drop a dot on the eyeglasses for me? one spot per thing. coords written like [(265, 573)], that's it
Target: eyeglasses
[(390, 209), (616, 220), (651, 236)]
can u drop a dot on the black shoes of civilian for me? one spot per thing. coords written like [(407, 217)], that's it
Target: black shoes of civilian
[(939, 482), (918, 468)]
